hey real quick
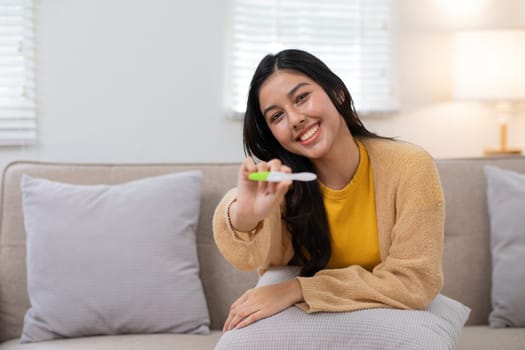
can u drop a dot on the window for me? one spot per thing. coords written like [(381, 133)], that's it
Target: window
[(17, 73), (353, 37)]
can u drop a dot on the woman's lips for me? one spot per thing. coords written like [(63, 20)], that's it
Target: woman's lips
[(310, 134)]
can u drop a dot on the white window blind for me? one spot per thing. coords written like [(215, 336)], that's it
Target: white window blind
[(353, 37), (17, 73)]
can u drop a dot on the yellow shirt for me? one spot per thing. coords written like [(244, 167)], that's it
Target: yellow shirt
[(352, 219)]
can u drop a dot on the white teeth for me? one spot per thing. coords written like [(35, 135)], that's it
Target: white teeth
[(309, 133)]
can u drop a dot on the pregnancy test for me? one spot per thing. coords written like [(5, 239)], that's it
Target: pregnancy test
[(275, 176)]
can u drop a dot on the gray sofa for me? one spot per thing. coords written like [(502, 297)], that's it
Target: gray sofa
[(467, 260)]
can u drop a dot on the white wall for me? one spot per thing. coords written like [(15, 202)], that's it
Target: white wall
[(142, 81), (132, 81)]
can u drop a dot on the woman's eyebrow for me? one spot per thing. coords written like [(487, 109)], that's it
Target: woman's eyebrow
[(296, 87), (289, 94)]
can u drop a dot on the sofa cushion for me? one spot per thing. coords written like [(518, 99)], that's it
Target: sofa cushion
[(484, 337), (124, 342), (506, 203), (111, 259), (438, 327)]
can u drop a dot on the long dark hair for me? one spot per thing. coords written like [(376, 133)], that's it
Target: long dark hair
[(305, 213)]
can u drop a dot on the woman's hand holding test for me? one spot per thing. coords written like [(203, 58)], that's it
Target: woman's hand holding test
[(256, 199)]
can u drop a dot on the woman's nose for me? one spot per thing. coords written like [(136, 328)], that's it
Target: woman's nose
[(296, 119)]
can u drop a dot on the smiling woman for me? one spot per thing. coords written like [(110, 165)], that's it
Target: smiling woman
[(291, 98), (367, 234)]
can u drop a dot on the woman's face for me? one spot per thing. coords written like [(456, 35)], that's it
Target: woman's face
[(300, 114)]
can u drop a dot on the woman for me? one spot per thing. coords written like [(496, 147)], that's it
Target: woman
[(367, 234)]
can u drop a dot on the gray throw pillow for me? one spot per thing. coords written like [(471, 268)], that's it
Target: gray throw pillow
[(112, 259), (437, 327), (506, 204)]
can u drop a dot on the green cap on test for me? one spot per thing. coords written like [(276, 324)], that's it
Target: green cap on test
[(259, 176)]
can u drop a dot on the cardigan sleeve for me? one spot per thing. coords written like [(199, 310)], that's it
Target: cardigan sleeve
[(410, 274), (266, 246)]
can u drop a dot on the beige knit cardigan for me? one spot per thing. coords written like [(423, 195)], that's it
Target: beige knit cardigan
[(410, 219)]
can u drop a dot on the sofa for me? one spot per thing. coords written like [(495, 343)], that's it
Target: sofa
[(467, 253)]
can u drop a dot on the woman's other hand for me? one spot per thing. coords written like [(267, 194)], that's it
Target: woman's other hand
[(256, 199), (262, 302)]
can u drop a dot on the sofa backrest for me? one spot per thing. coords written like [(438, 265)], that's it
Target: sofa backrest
[(467, 257), (467, 261), (221, 282)]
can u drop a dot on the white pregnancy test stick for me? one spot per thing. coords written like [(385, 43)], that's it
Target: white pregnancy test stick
[(275, 176)]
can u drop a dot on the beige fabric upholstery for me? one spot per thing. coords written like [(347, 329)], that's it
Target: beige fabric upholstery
[(467, 260), (124, 342), (222, 283), (481, 337)]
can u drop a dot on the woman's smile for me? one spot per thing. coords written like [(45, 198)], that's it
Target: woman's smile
[(310, 134)]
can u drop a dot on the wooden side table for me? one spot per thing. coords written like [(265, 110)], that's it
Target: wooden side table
[(503, 152)]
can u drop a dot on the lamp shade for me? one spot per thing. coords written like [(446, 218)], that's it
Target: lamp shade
[(489, 65)]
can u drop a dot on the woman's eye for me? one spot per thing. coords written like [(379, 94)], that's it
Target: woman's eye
[(301, 97), (276, 116)]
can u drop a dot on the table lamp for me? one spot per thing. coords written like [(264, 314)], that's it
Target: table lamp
[(489, 65)]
